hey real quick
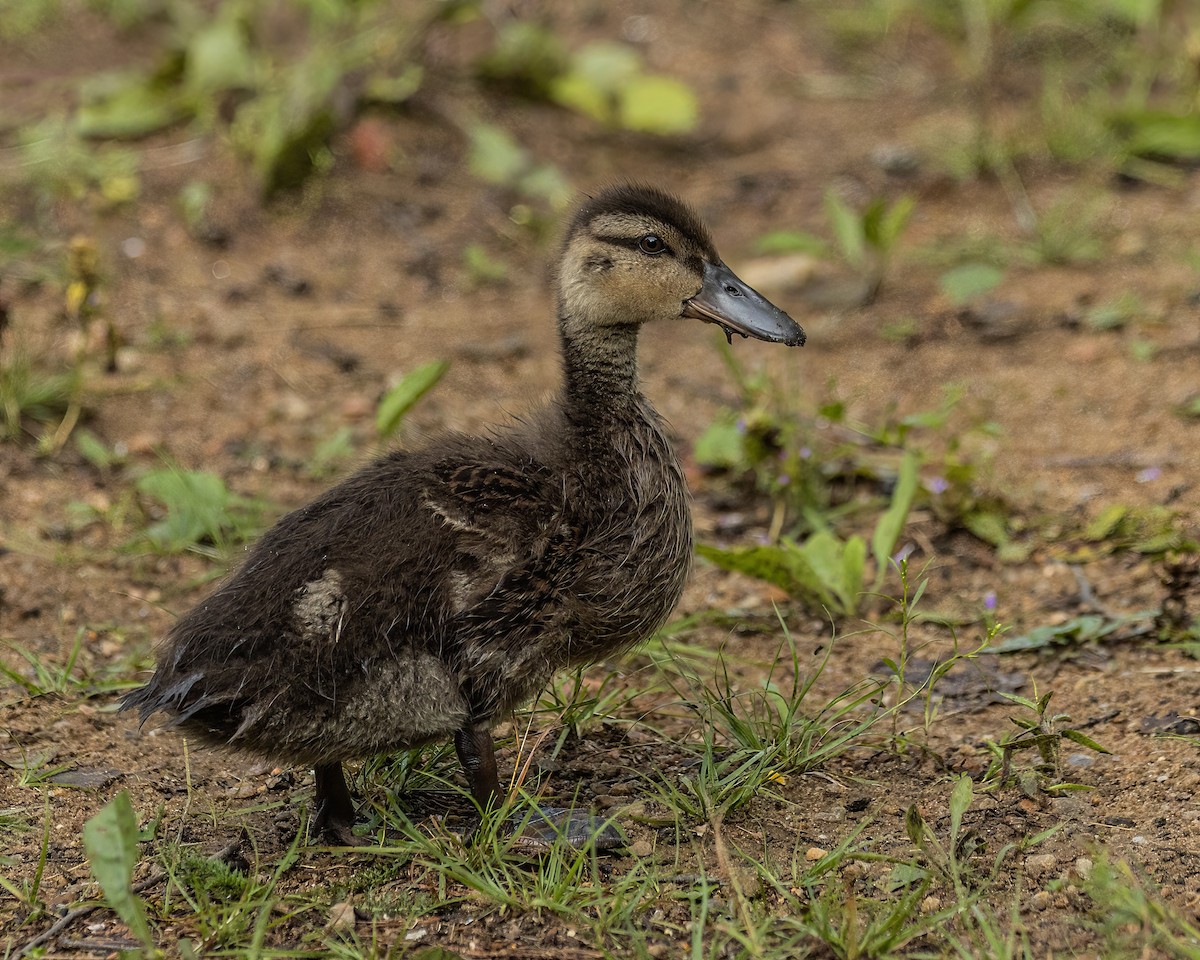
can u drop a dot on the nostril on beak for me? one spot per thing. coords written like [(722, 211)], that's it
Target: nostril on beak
[(732, 290)]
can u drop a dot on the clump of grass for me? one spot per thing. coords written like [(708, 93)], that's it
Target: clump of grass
[(751, 741), (228, 907), (1133, 916), (30, 395), (199, 513), (1040, 733), (41, 676)]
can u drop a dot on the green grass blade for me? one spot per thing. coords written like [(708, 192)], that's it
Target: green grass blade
[(891, 524)]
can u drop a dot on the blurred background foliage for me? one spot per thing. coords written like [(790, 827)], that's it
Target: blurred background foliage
[(1099, 82), (288, 95)]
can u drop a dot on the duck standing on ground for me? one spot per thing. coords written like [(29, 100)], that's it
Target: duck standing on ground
[(436, 590)]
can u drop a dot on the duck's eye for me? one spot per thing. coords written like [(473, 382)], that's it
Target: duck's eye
[(652, 244)]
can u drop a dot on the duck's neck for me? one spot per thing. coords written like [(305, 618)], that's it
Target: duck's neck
[(600, 378)]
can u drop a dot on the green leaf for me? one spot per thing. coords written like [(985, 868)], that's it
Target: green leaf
[(394, 88), (1159, 134), (111, 841), (963, 284), (847, 229), (824, 571), (1084, 740), (1138, 12), (92, 449), (1075, 632), (904, 875), (783, 565), (1106, 524), (1114, 314), (482, 266), (720, 445), (527, 54), (578, 93), (893, 222), (891, 524), (195, 198), (495, 156), (331, 451), (990, 526), (655, 104), (1055, 788), (607, 66), (790, 241), (547, 182), (597, 75), (1190, 408), (218, 58), (960, 800), (404, 395), (131, 107), (914, 826), (854, 566)]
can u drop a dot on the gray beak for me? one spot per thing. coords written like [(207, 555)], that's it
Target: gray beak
[(738, 308)]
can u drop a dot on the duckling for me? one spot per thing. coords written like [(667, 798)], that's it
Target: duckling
[(435, 591)]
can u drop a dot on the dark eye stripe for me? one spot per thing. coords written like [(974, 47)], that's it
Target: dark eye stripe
[(632, 243)]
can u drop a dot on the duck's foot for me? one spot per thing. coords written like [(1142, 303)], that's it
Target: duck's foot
[(538, 832), (334, 818), (338, 833)]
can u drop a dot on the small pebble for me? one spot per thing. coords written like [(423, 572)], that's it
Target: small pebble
[(815, 853), (341, 917), (641, 848), (1041, 864), (293, 407), (931, 905), (357, 407), (897, 159), (1083, 868), (1042, 900)]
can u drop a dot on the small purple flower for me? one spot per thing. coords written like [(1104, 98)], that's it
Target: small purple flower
[(783, 479), (903, 553), (805, 453), (989, 601), (1149, 475), (937, 485), (741, 425)]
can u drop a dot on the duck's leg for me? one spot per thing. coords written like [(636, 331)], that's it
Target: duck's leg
[(335, 809), (477, 754), (536, 834)]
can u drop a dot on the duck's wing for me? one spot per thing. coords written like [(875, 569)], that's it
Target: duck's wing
[(499, 515), (509, 582)]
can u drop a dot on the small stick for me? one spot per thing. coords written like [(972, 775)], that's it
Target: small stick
[(79, 913)]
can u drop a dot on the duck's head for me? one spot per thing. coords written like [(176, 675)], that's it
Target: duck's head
[(633, 254)]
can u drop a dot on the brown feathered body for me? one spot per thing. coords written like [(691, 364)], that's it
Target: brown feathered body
[(439, 588)]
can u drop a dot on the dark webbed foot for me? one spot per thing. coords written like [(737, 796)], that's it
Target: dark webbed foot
[(334, 817), (538, 832)]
